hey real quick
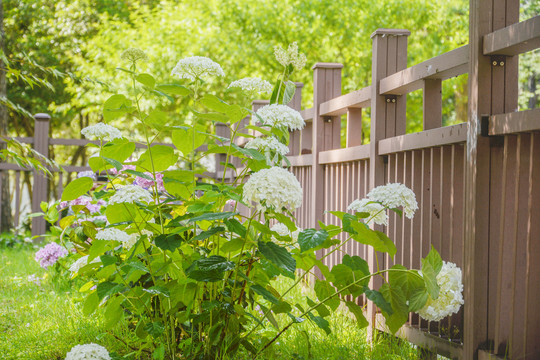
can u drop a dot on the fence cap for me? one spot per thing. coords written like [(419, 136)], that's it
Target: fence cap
[(42, 117), (393, 32), (299, 84), (260, 102), (322, 65)]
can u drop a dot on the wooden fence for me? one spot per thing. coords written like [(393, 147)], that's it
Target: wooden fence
[(477, 183)]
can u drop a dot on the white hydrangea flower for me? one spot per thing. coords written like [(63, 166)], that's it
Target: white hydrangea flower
[(283, 230), (274, 187), (88, 352), (395, 195), (134, 55), (377, 212), (252, 84), (101, 131), (195, 67), (267, 144), (290, 56), (450, 294), (281, 115), (132, 240), (112, 234), (81, 262), (130, 194), (208, 162)]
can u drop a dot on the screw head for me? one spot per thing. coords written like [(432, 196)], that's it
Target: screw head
[(494, 63), (387, 100), (501, 63), (393, 100)]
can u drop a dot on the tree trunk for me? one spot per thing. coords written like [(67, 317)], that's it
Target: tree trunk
[(6, 221)]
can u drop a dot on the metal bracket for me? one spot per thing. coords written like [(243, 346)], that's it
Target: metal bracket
[(498, 60), (390, 99), (484, 125)]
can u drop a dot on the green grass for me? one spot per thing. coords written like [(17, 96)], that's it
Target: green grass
[(43, 322)]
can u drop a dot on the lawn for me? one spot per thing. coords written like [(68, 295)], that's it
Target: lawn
[(41, 319)]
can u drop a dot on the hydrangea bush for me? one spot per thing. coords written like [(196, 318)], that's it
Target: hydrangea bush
[(165, 248)]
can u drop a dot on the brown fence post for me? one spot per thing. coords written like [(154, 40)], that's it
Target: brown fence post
[(492, 90), (294, 137), (325, 130), (389, 55), (41, 183)]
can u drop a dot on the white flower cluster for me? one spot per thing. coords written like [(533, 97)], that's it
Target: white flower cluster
[(112, 234), (450, 295), (274, 187), (88, 352), (290, 56), (252, 84), (283, 230), (81, 262), (208, 162), (134, 55), (130, 194), (395, 195), (267, 144), (281, 116), (101, 131), (196, 67), (377, 212)]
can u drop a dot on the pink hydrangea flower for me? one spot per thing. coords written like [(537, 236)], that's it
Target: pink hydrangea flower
[(148, 184), (113, 171), (50, 254)]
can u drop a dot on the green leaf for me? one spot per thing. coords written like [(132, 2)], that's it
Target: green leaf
[(390, 246), (206, 275), (113, 312), (139, 174), (179, 182), (212, 216), (311, 238), (233, 245), (277, 255), (320, 322), (356, 263), (213, 116), (98, 248), (108, 288), (118, 149), (115, 107), (282, 308), (154, 328), (77, 188), (208, 233), (395, 321), (157, 120), (358, 314), (173, 89), (431, 266), (108, 259), (158, 290), (321, 308), (147, 80), (366, 236), (235, 226), (215, 262), (323, 289), (434, 259), (90, 303), (395, 296), (183, 140), (161, 156), (160, 93), (288, 94), (168, 241), (98, 164), (379, 300), (120, 213), (258, 289)]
